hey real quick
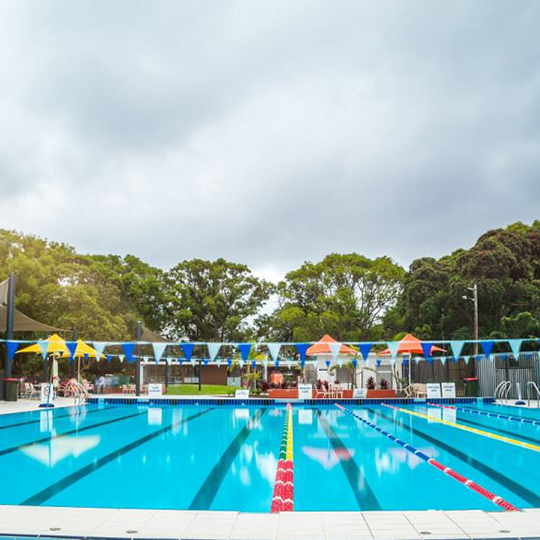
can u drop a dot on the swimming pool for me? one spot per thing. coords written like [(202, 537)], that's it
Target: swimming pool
[(209, 457)]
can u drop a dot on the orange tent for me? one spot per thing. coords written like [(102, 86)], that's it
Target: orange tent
[(322, 347), (411, 344)]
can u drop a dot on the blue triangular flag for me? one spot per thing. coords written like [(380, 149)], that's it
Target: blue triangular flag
[(302, 348), (159, 349), (187, 349), (253, 364), (72, 347), (454, 359), (244, 349), (213, 349), (128, 349), (364, 349), (11, 348), (457, 347), (426, 349), (378, 362), (515, 345), (229, 362), (487, 347), (109, 357), (276, 363), (205, 361), (327, 362), (354, 362), (44, 346), (405, 362), (274, 350)]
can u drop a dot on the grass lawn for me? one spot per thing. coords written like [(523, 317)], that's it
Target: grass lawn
[(193, 389)]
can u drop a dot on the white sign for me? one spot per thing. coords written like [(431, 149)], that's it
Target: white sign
[(155, 390), (448, 389), (305, 391), (433, 390), (47, 394), (359, 393), (241, 394)]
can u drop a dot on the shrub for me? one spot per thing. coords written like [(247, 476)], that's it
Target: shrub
[(370, 383), (383, 384)]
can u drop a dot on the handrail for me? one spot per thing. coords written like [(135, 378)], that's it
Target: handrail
[(508, 388), (502, 387), (533, 384), (79, 393)]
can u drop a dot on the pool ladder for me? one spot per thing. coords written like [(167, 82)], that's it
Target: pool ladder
[(79, 394), (532, 385), (502, 390)]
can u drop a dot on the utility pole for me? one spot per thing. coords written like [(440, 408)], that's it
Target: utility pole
[(474, 299), (10, 316), (138, 363)]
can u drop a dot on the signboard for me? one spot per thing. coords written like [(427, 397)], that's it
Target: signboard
[(155, 390), (359, 393), (448, 389), (241, 394), (47, 394), (305, 391), (433, 390)]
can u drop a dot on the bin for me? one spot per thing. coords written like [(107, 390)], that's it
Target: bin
[(11, 389), (471, 386)]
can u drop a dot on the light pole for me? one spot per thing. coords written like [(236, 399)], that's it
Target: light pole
[(474, 299)]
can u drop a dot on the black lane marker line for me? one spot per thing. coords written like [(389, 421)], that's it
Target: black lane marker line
[(66, 433), (55, 417), (365, 498), (515, 434), (205, 496), (514, 487), (45, 494)]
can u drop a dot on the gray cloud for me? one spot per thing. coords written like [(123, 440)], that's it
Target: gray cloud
[(268, 132)]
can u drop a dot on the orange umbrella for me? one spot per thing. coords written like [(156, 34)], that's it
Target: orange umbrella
[(322, 347), (411, 344)]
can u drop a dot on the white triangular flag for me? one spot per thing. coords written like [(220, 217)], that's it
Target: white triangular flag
[(159, 349), (335, 348), (213, 349), (515, 345), (274, 349)]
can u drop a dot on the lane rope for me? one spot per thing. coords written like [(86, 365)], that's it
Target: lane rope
[(495, 499), (488, 414), (283, 496), (481, 432)]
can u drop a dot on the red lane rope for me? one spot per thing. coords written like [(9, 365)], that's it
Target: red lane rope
[(283, 496)]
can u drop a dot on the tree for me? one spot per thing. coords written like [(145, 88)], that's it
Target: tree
[(213, 300), (343, 295)]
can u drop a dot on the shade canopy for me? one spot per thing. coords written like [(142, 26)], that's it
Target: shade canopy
[(23, 323), (55, 345), (322, 347), (83, 350), (148, 335), (412, 345)]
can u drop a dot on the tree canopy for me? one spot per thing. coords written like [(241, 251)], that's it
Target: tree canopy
[(348, 296)]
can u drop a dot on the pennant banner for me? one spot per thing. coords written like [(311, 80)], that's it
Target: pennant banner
[(426, 349), (213, 349), (187, 350), (11, 346), (245, 349), (487, 347), (364, 349), (128, 349), (99, 346), (515, 345), (72, 347), (302, 349), (335, 348), (159, 349), (44, 347), (457, 347), (393, 346), (274, 349)]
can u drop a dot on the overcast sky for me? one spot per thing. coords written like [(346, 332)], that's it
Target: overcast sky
[(268, 132)]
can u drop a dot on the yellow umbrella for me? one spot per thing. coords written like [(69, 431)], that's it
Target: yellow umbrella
[(56, 346)]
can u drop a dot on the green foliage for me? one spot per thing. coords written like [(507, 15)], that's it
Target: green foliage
[(213, 300), (343, 295), (193, 389)]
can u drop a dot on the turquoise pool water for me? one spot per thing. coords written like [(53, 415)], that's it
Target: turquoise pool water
[(225, 458)]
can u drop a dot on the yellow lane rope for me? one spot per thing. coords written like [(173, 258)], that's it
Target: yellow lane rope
[(488, 434)]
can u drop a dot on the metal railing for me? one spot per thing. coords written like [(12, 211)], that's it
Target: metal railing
[(503, 389), (532, 384)]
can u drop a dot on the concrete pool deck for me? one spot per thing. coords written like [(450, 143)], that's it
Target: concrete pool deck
[(172, 524)]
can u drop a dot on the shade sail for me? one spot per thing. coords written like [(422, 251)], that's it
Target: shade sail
[(323, 347), (23, 323), (148, 335), (411, 344)]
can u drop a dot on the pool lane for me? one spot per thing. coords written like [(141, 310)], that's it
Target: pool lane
[(489, 464)]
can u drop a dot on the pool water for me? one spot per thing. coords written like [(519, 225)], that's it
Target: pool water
[(225, 457)]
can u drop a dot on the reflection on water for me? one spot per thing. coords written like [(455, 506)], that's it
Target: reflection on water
[(50, 453), (155, 416), (328, 458)]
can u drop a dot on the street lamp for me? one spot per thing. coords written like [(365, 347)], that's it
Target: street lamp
[(474, 290)]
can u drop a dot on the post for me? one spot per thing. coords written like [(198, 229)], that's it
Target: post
[(138, 364), (10, 315), (475, 298), (74, 337), (200, 375), (166, 374)]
